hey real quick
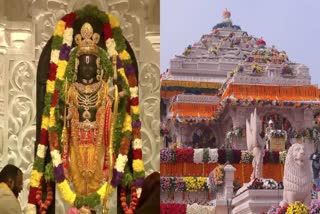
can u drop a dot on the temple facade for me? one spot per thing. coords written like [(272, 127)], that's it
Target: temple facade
[(215, 84)]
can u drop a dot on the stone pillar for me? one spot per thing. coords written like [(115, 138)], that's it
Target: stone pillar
[(223, 202)]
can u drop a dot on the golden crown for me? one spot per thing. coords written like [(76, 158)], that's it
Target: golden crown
[(87, 41)]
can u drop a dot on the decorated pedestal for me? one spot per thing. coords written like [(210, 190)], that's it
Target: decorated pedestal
[(255, 201), (277, 144)]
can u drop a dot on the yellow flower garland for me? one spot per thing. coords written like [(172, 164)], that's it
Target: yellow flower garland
[(35, 182), (62, 64), (59, 28), (138, 165), (127, 123), (50, 86), (124, 55), (113, 21), (45, 122), (66, 192)]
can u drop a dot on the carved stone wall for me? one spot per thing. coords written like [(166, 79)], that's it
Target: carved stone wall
[(25, 29)]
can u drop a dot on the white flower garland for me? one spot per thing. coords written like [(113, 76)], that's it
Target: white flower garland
[(121, 162), (56, 158), (30, 209), (41, 152), (213, 154), (134, 91), (198, 155), (137, 143), (111, 47), (67, 36), (55, 56)]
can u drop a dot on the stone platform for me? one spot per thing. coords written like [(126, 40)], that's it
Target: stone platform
[(255, 201)]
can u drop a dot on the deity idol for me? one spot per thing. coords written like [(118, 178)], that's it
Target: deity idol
[(88, 120), (89, 141)]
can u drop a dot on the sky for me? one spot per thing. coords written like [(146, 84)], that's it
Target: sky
[(289, 25)]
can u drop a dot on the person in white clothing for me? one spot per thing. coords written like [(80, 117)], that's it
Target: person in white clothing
[(11, 182)]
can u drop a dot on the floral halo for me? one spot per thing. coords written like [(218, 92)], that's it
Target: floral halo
[(126, 128)]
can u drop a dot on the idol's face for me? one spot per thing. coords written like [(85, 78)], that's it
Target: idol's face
[(87, 69)]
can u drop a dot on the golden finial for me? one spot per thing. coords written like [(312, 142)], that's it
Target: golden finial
[(87, 41)]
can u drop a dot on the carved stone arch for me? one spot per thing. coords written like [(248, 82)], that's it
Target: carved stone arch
[(78, 4)]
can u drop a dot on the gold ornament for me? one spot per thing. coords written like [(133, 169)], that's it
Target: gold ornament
[(87, 41)]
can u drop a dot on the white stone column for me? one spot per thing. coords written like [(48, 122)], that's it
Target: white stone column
[(223, 202)]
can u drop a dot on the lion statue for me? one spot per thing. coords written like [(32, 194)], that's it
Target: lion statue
[(297, 179)]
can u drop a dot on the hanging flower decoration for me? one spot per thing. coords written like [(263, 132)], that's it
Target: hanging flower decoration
[(127, 126)]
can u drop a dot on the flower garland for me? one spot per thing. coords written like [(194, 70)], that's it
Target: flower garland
[(183, 155), (61, 47), (131, 208), (173, 208), (267, 102), (198, 155), (194, 184)]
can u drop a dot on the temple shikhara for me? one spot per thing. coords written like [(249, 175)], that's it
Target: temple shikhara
[(232, 109)]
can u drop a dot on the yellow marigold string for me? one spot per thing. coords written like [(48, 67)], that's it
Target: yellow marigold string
[(138, 165), (68, 195), (35, 182), (113, 21), (50, 86), (124, 55), (62, 65), (45, 122), (59, 30)]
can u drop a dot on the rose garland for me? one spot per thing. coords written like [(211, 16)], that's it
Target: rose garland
[(128, 124)]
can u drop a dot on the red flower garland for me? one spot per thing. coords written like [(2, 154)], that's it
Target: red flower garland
[(134, 200), (69, 19), (43, 206), (184, 155), (173, 208), (107, 32)]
